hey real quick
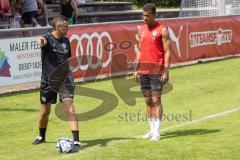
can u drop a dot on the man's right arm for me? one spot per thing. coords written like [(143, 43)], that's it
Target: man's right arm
[(42, 41)]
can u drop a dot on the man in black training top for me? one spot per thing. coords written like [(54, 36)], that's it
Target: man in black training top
[(56, 78)]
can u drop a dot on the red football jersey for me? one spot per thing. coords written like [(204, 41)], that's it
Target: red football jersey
[(152, 51)]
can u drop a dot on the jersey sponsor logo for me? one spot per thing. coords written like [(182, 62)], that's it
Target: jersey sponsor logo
[(214, 37), (94, 47)]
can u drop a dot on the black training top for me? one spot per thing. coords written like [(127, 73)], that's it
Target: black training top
[(55, 54)]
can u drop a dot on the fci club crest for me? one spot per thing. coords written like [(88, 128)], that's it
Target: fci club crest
[(154, 34), (64, 45)]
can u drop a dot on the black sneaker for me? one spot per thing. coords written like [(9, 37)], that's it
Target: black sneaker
[(39, 140), (76, 147)]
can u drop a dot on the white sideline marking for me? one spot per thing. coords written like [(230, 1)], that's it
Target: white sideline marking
[(198, 120), (67, 156), (202, 119)]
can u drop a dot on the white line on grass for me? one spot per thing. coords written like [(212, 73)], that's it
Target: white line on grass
[(67, 156), (198, 120), (202, 119)]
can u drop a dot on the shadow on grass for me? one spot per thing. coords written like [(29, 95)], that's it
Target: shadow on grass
[(19, 92), (95, 142), (18, 109), (102, 142), (185, 133), (55, 142)]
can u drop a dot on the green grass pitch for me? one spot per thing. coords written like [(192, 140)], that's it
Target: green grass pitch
[(198, 91)]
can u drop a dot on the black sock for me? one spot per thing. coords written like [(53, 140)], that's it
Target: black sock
[(75, 135), (42, 132)]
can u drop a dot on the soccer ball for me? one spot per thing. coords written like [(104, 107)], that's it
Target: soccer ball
[(64, 145)]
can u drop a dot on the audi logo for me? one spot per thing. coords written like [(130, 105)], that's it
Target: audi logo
[(86, 46)]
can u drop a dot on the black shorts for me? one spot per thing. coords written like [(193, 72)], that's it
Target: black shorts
[(27, 17), (48, 95), (150, 82)]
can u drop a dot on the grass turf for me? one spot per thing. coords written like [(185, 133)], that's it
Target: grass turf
[(198, 91)]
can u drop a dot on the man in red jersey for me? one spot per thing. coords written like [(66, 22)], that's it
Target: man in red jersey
[(152, 67)]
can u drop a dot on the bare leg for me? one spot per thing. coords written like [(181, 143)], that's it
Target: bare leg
[(27, 33), (45, 110), (35, 21), (149, 109), (157, 105), (158, 111), (72, 118), (147, 95), (70, 112)]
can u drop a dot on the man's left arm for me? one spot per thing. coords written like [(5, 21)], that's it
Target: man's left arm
[(167, 54)]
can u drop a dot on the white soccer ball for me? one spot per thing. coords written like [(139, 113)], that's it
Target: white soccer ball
[(64, 145)]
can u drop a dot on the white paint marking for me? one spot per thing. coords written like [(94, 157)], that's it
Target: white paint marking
[(198, 120), (67, 156)]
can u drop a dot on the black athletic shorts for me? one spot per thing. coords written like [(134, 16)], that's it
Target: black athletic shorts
[(150, 82), (27, 17), (48, 95)]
